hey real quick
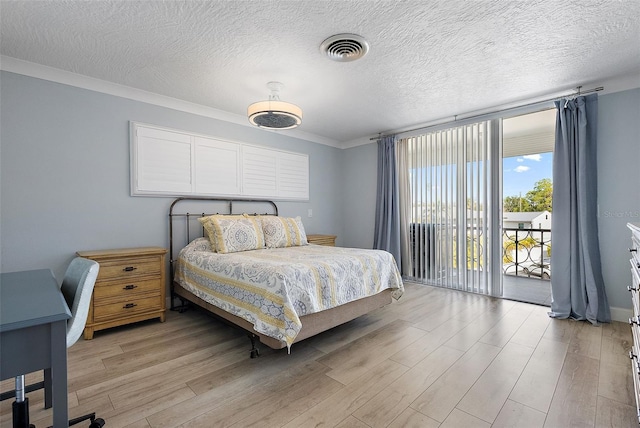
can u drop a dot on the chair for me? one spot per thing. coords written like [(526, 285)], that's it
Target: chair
[(77, 287)]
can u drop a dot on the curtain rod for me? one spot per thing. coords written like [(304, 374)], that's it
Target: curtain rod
[(578, 93)]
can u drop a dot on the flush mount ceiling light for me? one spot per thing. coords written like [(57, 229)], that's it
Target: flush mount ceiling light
[(273, 113), (345, 47)]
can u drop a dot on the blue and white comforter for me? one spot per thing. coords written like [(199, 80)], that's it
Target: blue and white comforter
[(273, 288)]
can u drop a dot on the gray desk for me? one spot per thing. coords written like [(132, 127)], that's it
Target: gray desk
[(33, 333)]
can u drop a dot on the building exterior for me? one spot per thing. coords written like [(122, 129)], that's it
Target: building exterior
[(527, 220)]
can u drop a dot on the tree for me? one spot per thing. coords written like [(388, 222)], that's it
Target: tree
[(516, 204), (541, 197), (537, 199)]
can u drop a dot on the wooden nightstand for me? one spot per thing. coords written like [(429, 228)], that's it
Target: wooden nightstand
[(130, 287), (328, 240)]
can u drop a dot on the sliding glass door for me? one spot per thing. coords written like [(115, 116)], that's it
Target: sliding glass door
[(451, 202)]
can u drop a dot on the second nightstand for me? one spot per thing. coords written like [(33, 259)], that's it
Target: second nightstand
[(328, 240)]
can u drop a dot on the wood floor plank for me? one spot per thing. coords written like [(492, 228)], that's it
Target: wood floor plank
[(459, 419), (351, 362), (123, 381), (445, 393), (345, 402), (518, 415), (409, 418), (561, 330), (502, 331), (538, 380), (347, 333), (451, 309), (427, 303), (468, 336), (612, 413), (587, 340), (151, 404), (157, 352), (210, 360), (533, 328), (487, 396), (382, 409), (420, 349), (617, 329), (278, 393), (615, 383), (615, 350), (291, 403), (575, 399), (142, 423), (226, 384), (351, 422)]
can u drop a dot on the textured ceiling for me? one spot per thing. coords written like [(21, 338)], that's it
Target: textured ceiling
[(428, 59)]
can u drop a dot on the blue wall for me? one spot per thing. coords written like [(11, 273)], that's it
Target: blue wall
[(64, 173), (359, 169), (618, 188)]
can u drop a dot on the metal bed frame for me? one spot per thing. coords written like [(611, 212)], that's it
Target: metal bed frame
[(188, 217), (312, 323)]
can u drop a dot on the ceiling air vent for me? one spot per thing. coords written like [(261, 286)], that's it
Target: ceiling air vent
[(345, 47)]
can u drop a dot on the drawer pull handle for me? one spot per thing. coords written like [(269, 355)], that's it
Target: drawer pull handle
[(633, 320), (129, 287), (631, 288), (633, 250), (129, 269), (129, 306), (631, 356)]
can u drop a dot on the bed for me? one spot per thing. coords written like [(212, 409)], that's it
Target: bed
[(270, 282)]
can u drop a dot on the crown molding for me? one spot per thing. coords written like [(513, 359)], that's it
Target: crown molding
[(56, 75)]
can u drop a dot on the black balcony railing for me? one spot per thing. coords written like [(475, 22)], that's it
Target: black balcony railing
[(527, 252)]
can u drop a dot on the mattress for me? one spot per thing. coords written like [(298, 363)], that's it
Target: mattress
[(272, 288)]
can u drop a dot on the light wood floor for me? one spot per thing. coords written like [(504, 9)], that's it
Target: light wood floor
[(436, 358)]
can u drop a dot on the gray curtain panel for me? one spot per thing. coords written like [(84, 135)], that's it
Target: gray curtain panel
[(387, 226), (577, 284)]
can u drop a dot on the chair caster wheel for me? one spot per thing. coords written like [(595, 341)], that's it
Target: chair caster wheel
[(255, 353), (97, 423)]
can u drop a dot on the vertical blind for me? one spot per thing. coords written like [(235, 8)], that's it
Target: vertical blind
[(453, 180)]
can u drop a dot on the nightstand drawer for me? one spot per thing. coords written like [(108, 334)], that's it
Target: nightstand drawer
[(130, 268), (124, 290), (125, 308)]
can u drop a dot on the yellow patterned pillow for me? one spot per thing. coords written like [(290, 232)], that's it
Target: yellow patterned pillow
[(237, 234), (208, 227), (280, 232)]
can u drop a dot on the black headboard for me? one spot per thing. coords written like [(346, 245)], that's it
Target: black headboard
[(184, 212)]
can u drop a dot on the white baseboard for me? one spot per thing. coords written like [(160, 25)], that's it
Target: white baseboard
[(621, 314)]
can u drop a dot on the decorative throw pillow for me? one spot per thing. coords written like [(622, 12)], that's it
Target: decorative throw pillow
[(208, 227), (237, 234), (282, 232)]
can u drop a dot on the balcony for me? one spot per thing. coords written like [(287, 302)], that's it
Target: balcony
[(526, 265), (526, 256)]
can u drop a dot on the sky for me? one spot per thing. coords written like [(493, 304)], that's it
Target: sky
[(520, 173)]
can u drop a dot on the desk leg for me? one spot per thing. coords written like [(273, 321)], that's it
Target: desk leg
[(48, 385), (59, 373)]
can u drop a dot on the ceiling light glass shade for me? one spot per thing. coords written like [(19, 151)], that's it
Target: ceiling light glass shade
[(274, 114)]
